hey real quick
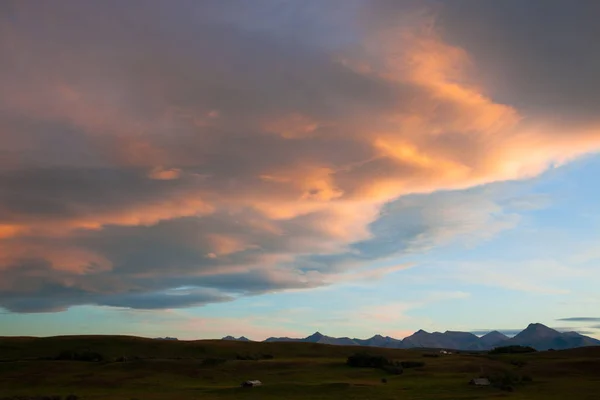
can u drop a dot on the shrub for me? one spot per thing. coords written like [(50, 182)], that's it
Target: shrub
[(518, 363), (383, 380), (526, 378), (431, 355), (246, 357), (512, 350), (254, 357), (393, 369), (412, 364), (507, 388), (211, 362), (364, 360), (505, 378), (84, 355)]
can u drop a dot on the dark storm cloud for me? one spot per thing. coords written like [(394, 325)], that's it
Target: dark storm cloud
[(539, 55)]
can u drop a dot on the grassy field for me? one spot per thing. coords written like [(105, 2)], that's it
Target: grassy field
[(186, 370)]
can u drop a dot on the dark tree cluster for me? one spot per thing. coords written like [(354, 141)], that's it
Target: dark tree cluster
[(508, 380), (213, 362), (254, 357), (82, 355), (364, 360), (412, 364), (513, 350)]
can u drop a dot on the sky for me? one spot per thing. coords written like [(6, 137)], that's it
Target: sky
[(197, 169)]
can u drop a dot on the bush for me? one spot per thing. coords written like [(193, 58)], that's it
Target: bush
[(245, 357), (254, 357), (84, 355), (412, 364), (393, 369), (431, 355), (513, 350), (508, 379), (211, 362), (364, 360)]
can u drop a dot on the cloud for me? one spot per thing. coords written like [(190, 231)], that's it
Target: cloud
[(226, 147), (536, 276), (580, 319), (164, 174), (394, 312)]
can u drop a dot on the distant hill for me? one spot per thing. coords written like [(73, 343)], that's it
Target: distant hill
[(537, 336), (540, 337), (240, 339), (380, 341), (317, 337), (492, 339)]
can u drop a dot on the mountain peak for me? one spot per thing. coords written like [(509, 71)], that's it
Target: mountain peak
[(536, 325), (539, 329), (315, 337), (493, 338), (536, 335), (233, 338), (495, 333)]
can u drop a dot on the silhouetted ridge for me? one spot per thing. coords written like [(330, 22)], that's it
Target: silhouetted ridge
[(536, 335)]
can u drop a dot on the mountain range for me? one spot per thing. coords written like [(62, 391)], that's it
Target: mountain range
[(535, 335)]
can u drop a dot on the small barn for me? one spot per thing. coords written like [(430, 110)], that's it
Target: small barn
[(480, 382), (251, 383)]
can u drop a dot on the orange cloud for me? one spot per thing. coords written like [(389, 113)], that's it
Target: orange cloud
[(61, 258), (293, 126), (162, 174), (291, 152)]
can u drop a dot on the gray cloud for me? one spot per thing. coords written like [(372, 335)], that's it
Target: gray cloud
[(580, 319), (553, 41)]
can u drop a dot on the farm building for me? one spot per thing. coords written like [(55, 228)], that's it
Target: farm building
[(480, 382)]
